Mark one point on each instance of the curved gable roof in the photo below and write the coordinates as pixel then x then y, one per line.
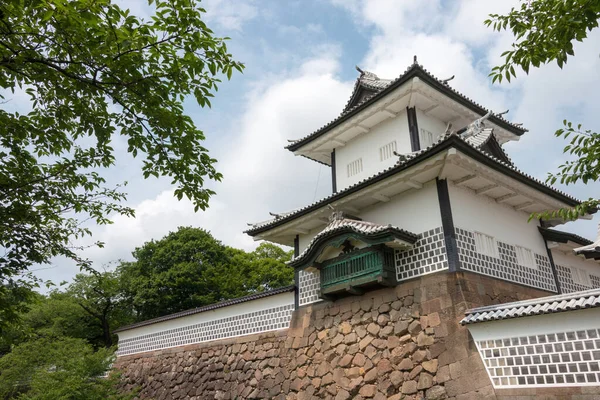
pixel 368 232
pixel 414 70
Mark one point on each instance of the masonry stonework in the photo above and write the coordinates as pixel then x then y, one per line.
pixel 396 343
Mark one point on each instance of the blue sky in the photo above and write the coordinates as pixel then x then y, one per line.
pixel 300 58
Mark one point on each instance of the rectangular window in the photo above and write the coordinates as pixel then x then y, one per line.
pixel 581 277
pixel 355 167
pixel 486 244
pixel 426 138
pixel 387 151
pixel 525 257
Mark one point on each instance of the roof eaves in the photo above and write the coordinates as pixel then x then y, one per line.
pixel 555 235
pixel 412 71
pixel 544 305
pixel 209 307
pixel 326 233
pixel 451 140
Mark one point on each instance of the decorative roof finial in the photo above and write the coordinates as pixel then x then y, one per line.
pixel 359 70
pixel 335 214
pixel 502 113
pixel 415 59
pixel 449 130
pixel 476 126
pixel 445 81
pixel 277 216
pixel 401 157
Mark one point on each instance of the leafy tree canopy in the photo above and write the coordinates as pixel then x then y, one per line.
pixel 190 268
pixel 545 31
pixel 65 368
pixel 91 71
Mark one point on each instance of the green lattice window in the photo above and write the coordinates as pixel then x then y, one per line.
pixel 360 269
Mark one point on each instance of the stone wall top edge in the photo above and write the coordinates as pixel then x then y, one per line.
pixel 255 337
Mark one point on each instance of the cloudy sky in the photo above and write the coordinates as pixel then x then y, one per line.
pixel 300 57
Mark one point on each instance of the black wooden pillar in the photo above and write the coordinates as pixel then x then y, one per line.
pixel 448 225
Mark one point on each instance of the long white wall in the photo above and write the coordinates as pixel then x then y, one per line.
pixel 504 223
pixel 550 350
pixel 260 315
pixel 219 313
pixel 367 147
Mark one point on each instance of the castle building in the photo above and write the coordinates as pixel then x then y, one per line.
pixel 422 265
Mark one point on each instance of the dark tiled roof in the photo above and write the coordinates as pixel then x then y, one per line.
pixel 414 70
pixel 543 305
pixel 554 235
pixel 210 307
pixel 591 250
pixel 361 227
pixel 445 142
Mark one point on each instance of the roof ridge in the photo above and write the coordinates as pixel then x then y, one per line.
pixel 413 67
pixel 538 306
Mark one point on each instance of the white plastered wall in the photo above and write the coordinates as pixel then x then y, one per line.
pixel 366 146
pixel 571 260
pixel 481 214
pixel 416 210
pixel 430 124
pixel 224 312
pixel 550 350
pixel 536 325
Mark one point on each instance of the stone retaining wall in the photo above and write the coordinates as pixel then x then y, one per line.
pixel 397 343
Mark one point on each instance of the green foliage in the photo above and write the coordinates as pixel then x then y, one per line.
pixel 99 296
pixel 14 300
pixel 190 268
pixel 584 145
pixel 544 31
pixel 51 369
pixel 93 71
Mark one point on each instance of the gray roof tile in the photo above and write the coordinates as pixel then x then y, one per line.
pixel 539 306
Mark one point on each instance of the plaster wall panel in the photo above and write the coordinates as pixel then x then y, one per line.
pixel 416 210
pixel 366 148
pixel 504 223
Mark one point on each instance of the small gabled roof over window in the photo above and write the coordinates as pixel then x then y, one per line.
pixel 341 229
pixel 367 85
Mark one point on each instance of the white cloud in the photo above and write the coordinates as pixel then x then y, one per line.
pixel 230 15
pixel 259 175
pixel 449 39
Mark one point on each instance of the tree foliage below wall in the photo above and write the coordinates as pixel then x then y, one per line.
pixel 61 342
pixel 546 31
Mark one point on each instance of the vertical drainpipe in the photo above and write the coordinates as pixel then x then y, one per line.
pixel 296 273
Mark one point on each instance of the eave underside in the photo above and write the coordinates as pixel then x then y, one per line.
pixel 458 168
